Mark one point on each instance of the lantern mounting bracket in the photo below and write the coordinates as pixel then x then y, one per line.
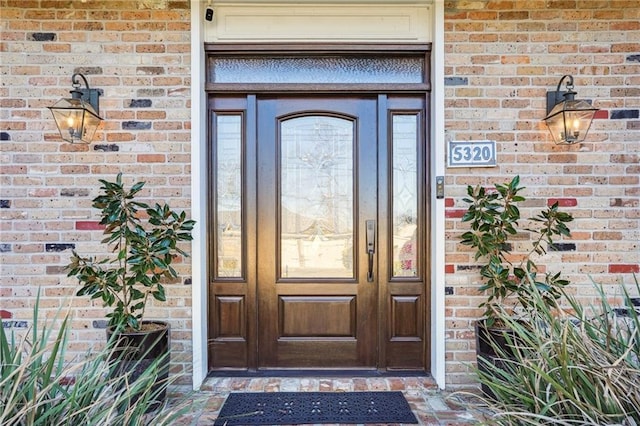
pixel 556 96
pixel 87 94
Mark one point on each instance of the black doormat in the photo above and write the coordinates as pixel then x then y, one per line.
pixel 287 408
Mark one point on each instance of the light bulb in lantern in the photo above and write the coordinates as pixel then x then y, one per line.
pixel 576 128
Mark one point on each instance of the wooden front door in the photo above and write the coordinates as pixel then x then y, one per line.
pixel 319 232
pixel 317 191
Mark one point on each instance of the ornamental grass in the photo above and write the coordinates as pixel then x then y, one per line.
pixel 568 365
pixel 40 386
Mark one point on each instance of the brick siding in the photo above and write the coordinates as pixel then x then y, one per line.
pixel 500 59
pixel 138 54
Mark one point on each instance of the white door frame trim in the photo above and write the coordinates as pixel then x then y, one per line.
pixel 199 253
pixel 438 160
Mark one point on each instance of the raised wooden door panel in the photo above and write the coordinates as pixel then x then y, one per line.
pixel 229 346
pixel 317 176
pixel 298 317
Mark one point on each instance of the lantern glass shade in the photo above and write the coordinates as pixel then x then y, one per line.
pixel 76 119
pixel 569 121
pixel 568 118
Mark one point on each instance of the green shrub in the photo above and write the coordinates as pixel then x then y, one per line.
pixel 579 366
pixel 39 387
pixel 142 253
pixel 494 218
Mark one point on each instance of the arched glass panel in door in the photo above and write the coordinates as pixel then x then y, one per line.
pixel 316 197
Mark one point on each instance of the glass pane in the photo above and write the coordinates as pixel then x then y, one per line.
pixel 316 210
pixel 321 69
pixel 229 195
pixel 405 195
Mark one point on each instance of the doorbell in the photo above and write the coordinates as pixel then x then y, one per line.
pixel 208 15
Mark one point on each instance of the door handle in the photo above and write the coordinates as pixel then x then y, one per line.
pixel 371 246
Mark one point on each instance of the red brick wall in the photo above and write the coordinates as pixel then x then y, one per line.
pixel 138 53
pixel 500 59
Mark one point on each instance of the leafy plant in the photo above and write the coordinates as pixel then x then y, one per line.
pixel 494 217
pixel 143 252
pixel 579 366
pixel 38 386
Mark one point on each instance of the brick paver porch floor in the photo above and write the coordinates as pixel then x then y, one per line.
pixel 430 405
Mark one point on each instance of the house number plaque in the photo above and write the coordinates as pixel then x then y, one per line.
pixel 471 154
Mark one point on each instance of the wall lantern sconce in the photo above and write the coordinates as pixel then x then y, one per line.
pixel 77 118
pixel 568 119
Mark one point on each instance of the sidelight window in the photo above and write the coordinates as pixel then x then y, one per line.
pixel 405 194
pixel 228 199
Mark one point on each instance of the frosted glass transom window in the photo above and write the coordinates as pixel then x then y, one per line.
pixel 320 69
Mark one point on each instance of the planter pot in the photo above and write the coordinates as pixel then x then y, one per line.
pixel 493 350
pixel 136 351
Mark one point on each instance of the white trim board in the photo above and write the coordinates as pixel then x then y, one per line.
pixel 313 22
pixel 437 155
pixel 198 198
